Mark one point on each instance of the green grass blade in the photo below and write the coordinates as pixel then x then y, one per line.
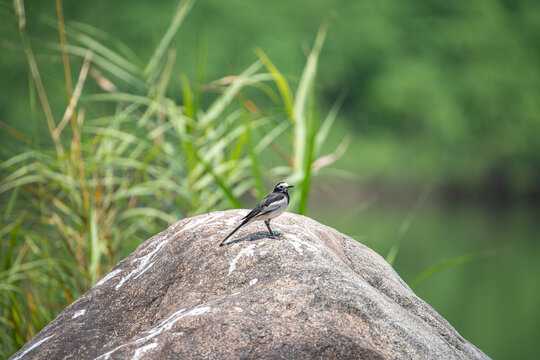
pixel 96 46
pixel 324 130
pixel 94 246
pixel 405 225
pixel 255 160
pixel 219 105
pixel 201 69
pixel 306 182
pixel 11 203
pixel 301 99
pixel 446 264
pixel 104 51
pixel 187 96
pixel 226 190
pixel 105 37
pixel 113 69
pixel 271 135
pixel 281 82
pixel 151 70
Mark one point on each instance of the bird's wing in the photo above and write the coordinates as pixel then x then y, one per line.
pixel 269 203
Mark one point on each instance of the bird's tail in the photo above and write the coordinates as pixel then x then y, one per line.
pixel 232 233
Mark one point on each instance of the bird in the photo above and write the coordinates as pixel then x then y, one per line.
pixel 273 205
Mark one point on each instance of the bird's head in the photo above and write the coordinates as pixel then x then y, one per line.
pixel 282 187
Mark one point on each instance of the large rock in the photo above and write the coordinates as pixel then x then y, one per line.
pixel 312 293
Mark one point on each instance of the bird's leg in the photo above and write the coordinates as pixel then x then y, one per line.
pixel 267 222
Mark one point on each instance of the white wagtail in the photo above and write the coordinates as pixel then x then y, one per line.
pixel 271 206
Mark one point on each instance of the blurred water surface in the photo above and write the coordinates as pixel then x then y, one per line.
pixel 492 299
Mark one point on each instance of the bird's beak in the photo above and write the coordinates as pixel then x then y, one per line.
pixel 290 186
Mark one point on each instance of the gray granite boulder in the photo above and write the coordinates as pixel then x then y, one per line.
pixel 312 293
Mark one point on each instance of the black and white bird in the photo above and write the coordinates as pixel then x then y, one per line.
pixel 270 207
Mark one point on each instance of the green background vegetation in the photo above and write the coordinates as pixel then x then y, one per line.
pixel 437 123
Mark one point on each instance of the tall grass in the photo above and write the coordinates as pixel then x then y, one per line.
pixel 77 205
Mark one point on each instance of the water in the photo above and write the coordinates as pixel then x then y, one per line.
pixel 492 300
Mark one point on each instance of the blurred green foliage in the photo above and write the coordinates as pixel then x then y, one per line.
pixel 438 92
pixel 452 87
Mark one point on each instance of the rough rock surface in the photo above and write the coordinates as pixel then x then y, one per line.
pixel 313 293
